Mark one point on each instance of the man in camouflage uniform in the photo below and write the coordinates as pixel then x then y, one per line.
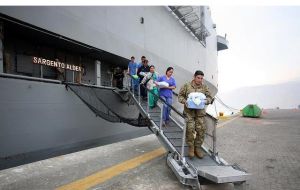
pixel 195 118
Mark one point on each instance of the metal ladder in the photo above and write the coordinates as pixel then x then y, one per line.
pixel 172 137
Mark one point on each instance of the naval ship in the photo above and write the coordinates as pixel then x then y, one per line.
pixel 57 93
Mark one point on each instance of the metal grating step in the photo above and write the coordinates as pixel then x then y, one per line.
pixel 173 135
pixel 155 114
pixel 205 161
pixel 222 174
pixel 178 148
pixel 177 142
pixel 169 129
pixel 157 122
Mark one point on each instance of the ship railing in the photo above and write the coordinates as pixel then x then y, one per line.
pixel 178 118
pixel 14 76
pixel 188 17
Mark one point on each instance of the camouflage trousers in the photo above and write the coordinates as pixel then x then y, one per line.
pixel 195 125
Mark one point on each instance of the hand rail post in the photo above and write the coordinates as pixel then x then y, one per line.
pixel 139 93
pixel 215 140
pixel 183 141
pixel 132 86
pixel 161 116
pixel 147 100
pixel 215 133
pixel 127 82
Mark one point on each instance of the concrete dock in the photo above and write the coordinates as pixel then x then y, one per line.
pixel 267 147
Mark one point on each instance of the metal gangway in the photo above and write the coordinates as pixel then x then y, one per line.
pixel 188 171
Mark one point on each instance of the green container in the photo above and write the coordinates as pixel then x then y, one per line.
pixel 251 110
pixel 135 76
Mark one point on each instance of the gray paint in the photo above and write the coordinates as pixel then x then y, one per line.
pixel 37 116
pixel 118 30
pixel 1 56
pixel 1 47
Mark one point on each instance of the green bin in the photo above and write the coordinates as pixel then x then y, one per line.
pixel 251 110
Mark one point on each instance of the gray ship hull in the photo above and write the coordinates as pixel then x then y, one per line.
pixel 41 120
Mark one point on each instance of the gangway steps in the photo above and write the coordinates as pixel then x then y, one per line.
pixel 173 135
pixel 176 142
pixel 172 129
pixel 206 167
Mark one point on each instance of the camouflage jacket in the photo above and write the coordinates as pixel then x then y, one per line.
pixel 184 93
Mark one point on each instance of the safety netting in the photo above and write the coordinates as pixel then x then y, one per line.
pixel 110 104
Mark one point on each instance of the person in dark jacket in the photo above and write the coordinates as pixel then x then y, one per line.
pixel 118 76
pixel 142 72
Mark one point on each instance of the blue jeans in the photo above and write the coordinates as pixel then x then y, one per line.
pixel 134 85
pixel 166 109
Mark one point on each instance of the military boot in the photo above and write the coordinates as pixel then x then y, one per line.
pixel 191 151
pixel 199 153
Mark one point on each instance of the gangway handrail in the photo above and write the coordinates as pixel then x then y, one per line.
pixel 183 127
pixel 174 109
pixel 88 85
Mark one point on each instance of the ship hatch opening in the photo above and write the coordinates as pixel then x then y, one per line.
pixel 22 42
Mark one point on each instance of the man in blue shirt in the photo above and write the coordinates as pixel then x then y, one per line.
pixel 132 70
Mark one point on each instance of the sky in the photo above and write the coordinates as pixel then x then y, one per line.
pixel 264 45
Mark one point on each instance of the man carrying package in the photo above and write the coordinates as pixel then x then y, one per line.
pixel 194 112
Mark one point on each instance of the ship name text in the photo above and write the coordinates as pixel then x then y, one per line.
pixel 58 64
